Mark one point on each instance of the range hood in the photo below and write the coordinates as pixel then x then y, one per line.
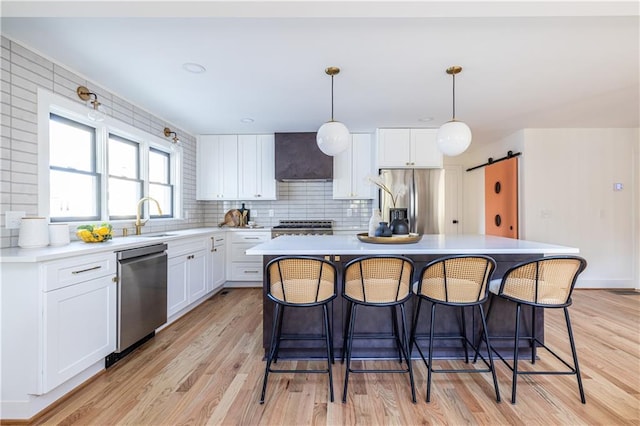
pixel 299 158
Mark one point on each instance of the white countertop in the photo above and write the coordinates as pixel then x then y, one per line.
pixel 428 244
pixel 76 248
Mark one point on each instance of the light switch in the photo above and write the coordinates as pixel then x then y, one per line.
pixel 618 186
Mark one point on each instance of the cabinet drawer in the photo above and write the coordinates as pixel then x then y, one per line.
pixel 238 254
pixel 246 271
pixel 187 246
pixel 218 240
pixel 250 237
pixel 63 273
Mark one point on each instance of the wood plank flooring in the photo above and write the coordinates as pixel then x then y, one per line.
pixel 207 368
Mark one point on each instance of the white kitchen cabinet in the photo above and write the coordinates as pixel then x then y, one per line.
pixel 217 167
pixel 352 167
pixel 256 167
pixel 62 317
pixel 414 148
pixel 79 328
pixel 187 272
pixel 235 167
pixel 240 266
pixel 216 268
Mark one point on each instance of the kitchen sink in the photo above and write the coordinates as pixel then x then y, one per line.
pixel 157 235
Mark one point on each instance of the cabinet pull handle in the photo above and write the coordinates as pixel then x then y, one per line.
pixel 251 238
pixel 86 270
pixel 252 272
pixel 213 244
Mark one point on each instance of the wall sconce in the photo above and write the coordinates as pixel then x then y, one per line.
pixel 174 137
pixel 96 112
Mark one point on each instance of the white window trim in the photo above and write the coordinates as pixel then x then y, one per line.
pixel 49 102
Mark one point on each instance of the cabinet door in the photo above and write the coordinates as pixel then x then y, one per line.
pixel 177 276
pixel 342 173
pixel 207 179
pixel 394 148
pixel 79 328
pixel 424 148
pixel 362 167
pixel 217 167
pixel 196 275
pixel 216 271
pixel 351 169
pixel 256 165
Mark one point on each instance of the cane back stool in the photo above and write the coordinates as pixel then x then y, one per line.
pixel 299 282
pixel 381 282
pixel 455 281
pixel 541 283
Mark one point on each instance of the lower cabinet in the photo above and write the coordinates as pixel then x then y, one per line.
pixel 79 328
pixel 187 273
pixel 240 266
pixel 216 268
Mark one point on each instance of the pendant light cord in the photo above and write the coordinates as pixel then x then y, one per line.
pixel 454 97
pixel 332 98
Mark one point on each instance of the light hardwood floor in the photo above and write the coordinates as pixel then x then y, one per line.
pixel 207 368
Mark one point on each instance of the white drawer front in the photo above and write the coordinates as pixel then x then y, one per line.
pixel 246 271
pixel 180 247
pixel 63 273
pixel 250 237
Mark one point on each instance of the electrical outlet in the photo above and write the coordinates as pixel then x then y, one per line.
pixel 254 214
pixel 270 212
pixel 12 220
pixel 349 212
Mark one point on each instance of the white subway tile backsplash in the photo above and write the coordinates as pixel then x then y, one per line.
pixel 24 115
pixel 22 125
pixel 28 85
pixel 22 137
pixel 32 67
pixel 25 177
pixel 18 71
pixel 21 93
pixel 17 49
pixel 24 157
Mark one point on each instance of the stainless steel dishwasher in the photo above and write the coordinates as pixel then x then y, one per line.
pixel 142 297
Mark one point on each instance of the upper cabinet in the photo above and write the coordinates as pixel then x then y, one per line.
pixel 351 169
pixel 402 148
pixel 256 166
pixel 235 167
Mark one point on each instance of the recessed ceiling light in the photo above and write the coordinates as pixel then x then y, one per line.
pixel 246 120
pixel 425 119
pixel 193 68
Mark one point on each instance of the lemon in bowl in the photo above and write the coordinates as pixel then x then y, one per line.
pixel 95 233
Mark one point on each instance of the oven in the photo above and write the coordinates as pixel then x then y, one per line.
pixel 302 227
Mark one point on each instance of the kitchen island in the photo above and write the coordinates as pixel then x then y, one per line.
pixel 343 248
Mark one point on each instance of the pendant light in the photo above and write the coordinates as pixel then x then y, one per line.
pixel 333 136
pixel 454 136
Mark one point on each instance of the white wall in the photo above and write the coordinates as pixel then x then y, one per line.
pixel 566 196
pixel 568 181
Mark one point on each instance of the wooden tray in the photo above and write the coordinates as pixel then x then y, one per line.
pixel 411 238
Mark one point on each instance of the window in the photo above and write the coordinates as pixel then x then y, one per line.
pixel 97 171
pixel 125 185
pixel 74 181
pixel 160 187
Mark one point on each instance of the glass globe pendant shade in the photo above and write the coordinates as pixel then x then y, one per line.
pixel 333 138
pixel 453 138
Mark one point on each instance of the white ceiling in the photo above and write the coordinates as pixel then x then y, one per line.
pixel 526 64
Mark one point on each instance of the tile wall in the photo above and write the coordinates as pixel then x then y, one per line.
pixel 22 71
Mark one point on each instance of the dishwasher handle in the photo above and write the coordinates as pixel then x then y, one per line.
pixel 141 251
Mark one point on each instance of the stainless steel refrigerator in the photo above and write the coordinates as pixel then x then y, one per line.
pixel 423 199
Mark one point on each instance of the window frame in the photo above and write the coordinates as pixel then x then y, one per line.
pixel 50 103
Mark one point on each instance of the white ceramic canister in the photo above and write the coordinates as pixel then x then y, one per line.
pixel 59 234
pixel 34 232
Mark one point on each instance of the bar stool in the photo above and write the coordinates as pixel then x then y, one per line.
pixel 299 282
pixel 457 281
pixel 544 283
pixel 378 281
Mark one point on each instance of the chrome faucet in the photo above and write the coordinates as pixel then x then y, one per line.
pixel 139 224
